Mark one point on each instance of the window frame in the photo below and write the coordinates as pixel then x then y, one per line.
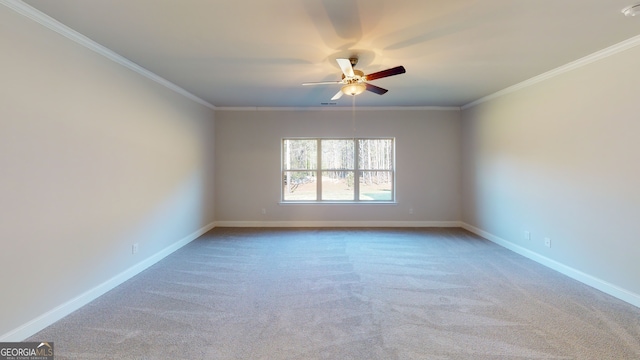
pixel 357 169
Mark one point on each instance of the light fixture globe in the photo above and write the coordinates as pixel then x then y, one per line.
pixel 632 10
pixel 354 89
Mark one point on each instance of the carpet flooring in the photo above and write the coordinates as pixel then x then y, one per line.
pixel 435 293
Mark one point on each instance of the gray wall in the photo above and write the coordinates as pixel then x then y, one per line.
pixel 248 166
pixel 561 159
pixel 94 158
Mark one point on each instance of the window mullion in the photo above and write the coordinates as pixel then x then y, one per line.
pixel 286 176
pixel 356 172
pixel 319 170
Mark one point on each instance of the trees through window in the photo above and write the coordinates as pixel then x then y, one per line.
pixel 351 170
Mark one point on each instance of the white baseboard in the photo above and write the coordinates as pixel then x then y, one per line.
pixel 604 286
pixel 50 317
pixel 335 224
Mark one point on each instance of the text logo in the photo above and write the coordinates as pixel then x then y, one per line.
pixel 26 350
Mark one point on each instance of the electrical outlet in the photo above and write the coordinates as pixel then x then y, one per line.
pixel 547 242
pixel 264 211
pixel 411 211
pixel 527 235
pixel 134 248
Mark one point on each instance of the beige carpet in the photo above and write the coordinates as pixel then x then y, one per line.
pixel 348 294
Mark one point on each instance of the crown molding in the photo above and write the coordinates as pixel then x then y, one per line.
pixel 596 56
pixel 49 22
pixel 339 108
pixel 45 20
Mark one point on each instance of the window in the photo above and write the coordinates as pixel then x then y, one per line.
pixel 335 170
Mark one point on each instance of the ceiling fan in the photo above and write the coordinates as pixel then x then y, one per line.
pixel 355 82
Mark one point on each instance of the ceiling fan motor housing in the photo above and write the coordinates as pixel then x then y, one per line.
pixel 358 76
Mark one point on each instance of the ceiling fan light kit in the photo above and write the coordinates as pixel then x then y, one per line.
pixel 354 89
pixel 354 82
pixel 632 10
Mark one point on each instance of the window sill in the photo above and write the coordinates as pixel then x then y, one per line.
pixel 338 202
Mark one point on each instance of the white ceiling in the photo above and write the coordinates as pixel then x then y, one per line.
pixel 258 53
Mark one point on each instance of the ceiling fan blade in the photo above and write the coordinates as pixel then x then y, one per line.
pixel 376 89
pixel 322 83
pixel 337 96
pixel 345 65
pixel 384 73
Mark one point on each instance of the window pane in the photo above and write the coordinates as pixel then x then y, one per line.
pixel 337 154
pixel 335 162
pixel 337 185
pixel 375 154
pixel 376 185
pixel 299 185
pixel 299 154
